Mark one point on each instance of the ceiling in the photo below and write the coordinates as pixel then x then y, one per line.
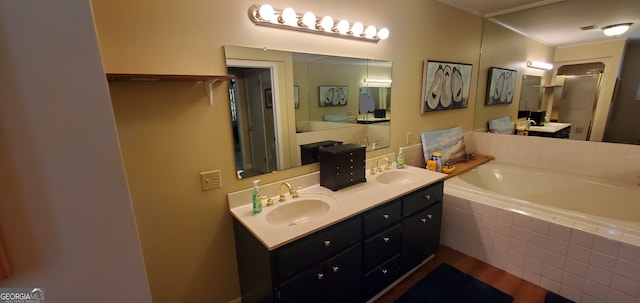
pixel 557 22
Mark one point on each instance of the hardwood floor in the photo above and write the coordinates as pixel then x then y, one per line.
pixel 521 290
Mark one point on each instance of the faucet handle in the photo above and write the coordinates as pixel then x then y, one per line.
pixel 294 192
pixel 269 199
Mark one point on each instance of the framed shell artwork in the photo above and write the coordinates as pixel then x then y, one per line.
pixel 445 85
pixel 333 95
pixel 501 86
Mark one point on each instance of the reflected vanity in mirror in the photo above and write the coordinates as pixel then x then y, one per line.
pixel 285 103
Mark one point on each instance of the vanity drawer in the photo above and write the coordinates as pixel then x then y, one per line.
pixel 381 277
pixel 422 198
pixel 382 217
pixel 382 246
pixel 316 247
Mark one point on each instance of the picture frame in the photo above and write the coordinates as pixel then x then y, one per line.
pixel 333 95
pixel 296 96
pixel 501 86
pixel 445 85
pixel 268 98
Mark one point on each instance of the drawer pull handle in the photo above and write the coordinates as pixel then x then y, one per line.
pixel 424 220
pixel 385 216
pixel 429 216
pixel 320 276
pixel 427 196
pixel 327 243
pixel 386 239
pixel 384 271
pixel 336 268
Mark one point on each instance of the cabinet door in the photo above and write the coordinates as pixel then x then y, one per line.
pixel 309 286
pixel 344 274
pixel 420 236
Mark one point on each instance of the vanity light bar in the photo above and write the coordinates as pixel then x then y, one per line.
pixel 539 65
pixel 377 80
pixel 287 18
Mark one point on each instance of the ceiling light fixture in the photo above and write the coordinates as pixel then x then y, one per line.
pixel 539 65
pixel 266 15
pixel 616 29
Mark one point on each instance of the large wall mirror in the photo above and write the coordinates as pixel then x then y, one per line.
pixel 569 94
pixel 286 105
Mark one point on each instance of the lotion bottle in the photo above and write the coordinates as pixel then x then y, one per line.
pixel 255 198
pixel 400 159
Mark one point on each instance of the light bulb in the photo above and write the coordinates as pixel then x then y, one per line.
pixel 370 32
pixel 266 12
pixel 289 16
pixel 357 29
pixel 343 26
pixel 309 20
pixel 383 33
pixel 326 23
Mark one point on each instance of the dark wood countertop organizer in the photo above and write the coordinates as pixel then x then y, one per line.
pixel 342 166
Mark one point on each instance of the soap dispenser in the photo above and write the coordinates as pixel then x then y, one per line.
pixel 400 159
pixel 255 198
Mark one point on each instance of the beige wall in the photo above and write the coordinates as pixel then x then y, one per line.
pixel 609 53
pixel 169 133
pixel 506 49
pixel 65 213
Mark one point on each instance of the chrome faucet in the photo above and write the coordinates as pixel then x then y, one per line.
pixel 377 167
pixel 292 192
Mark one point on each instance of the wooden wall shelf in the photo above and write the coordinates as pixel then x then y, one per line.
pixel 208 80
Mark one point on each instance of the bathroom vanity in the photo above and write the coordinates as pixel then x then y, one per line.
pixel 366 238
pixel 551 129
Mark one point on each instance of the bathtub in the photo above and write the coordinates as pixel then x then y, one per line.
pixel 598 205
pixel 574 235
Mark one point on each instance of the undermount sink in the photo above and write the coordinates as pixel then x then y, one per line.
pixel 397 177
pixel 296 211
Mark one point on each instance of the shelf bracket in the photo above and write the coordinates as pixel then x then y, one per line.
pixel 208 87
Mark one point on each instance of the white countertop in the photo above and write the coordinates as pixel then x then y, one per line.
pixel 346 203
pixel 549 127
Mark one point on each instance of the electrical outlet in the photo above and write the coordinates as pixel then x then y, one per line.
pixel 210 180
pixel 409 137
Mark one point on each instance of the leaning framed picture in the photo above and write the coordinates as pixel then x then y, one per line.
pixel 268 98
pixel 445 85
pixel 296 96
pixel 333 95
pixel 501 86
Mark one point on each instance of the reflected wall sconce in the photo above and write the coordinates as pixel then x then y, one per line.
pixel 539 65
pixel 287 18
pixel 616 29
pixel 377 80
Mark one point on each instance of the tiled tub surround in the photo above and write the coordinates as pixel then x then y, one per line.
pixel 566 256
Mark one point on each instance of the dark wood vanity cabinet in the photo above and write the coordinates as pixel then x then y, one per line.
pixel 350 261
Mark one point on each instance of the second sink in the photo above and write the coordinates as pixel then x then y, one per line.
pixel 398 177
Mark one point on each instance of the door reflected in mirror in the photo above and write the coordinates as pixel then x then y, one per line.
pixel 277 105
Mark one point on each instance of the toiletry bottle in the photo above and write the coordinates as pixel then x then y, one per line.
pixel 400 159
pixel 431 165
pixel 255 198
pixel 437 156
